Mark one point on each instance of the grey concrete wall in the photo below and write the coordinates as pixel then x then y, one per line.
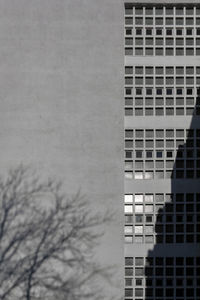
pixel 61 100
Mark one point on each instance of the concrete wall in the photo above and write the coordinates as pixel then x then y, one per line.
pixel 61 100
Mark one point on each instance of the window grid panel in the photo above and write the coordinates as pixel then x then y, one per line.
pixel 163 34
pixel 154 217
pixel 174 92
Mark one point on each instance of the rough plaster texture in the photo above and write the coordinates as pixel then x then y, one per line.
pixel 61 92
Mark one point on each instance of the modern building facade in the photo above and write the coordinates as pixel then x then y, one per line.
pixel 162 150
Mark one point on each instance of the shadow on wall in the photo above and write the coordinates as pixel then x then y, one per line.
pixel 177 227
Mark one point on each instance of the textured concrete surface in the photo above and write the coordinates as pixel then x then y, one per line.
pixel 61 100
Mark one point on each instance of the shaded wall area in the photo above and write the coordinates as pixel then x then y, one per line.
pixel 172 266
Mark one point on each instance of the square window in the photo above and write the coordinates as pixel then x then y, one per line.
pixel 129 271
pixel 128 208
pixel 148 51
pixel 138 11
pixel 149 238
pixel 169 21
pixel 128 292
pixel 138 240
pixel 179 91
pixel 169 11
pixel 149 154
pixel 169 91
pixel 189 11
pixel 169 70
pixel 138 31
pixel 189 51
pixel 148 198
pixel 149 175
pixel 159 41
pixel 169 51
pixel 179 51
pixel 158 31
pixel 159 70
pixel 128 175
pixel 138 198
pixel 189 91
pixel 138 208
pixel 128 219
pixel 128 70
pixel 148 208
pixel 128 261
pixel 169 42
pixel 149 70
pixel 158 91
pixel 128 41
pixel 138 154
pixel 128 281
pixel 189 42
pixel 159 11
pixel 149 11
pixel 128 198
pixel 189 21
pixel 138 91
pixel 128 154
pixel 138 20
pixel 149 21
pixel 138 282
pixel 128 51
pixel 149 80
pixel 179 41
pixel 169 31
pixel 139 41
pixel 179 21
pixel 148 91
pixel 159 111
pixel 128 11
pixel 159 80
pixel 138 229
pixel 189 31
pixel 159 51
pixel 138 70
pixel 128 31
pixel 128 144
pixel 179 31
pixel 149 133
pixel 159 154
pixel 138 51
pixel 138 218
pixel 149 218
pixel 149 41
pixel 128 111
pixel 129 21
pixel 128 91
pixel 128 229
pixel 179 11
pixel 128 133
pixel 148 31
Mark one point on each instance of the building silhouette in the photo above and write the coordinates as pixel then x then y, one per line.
pixel 162 150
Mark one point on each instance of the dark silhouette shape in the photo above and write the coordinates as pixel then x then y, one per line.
pixel 176 254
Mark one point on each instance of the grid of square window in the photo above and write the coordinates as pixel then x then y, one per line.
pixel 158 31
pixel 162 218
pixel 162 278
pixel 162 90
pixel 159 153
